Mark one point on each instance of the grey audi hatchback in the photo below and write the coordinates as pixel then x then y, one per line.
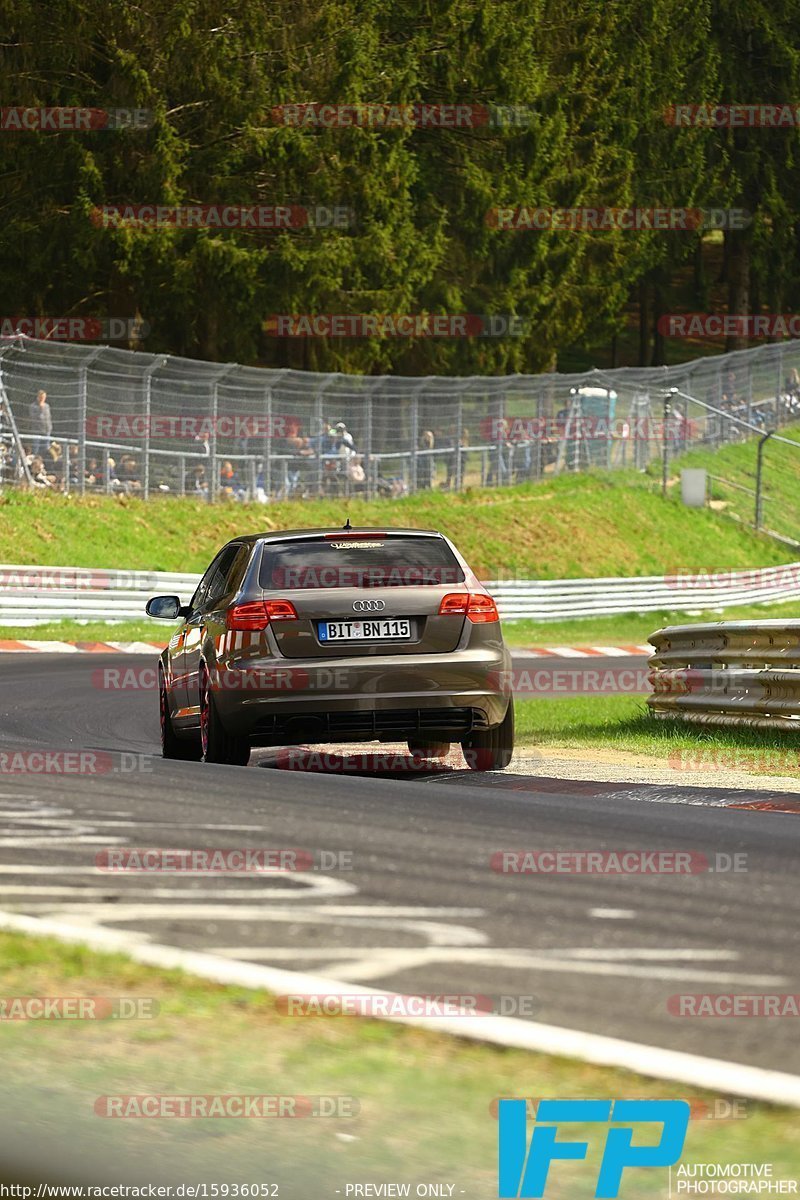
pixel 336 635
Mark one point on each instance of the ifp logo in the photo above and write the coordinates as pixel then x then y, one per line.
pixel 523 1172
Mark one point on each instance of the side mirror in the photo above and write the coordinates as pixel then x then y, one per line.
pixel 165 608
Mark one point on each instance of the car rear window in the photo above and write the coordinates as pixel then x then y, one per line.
pixel 359 562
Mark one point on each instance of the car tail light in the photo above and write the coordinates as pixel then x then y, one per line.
pixel 257 614
pixel 280 610
pixel 454 602
pixel 252 615
pixel 478 607
pixel 482 608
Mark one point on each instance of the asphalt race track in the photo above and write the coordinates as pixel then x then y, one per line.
pixel 419 907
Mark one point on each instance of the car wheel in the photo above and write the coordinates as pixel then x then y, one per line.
pixel 491 749
pixel 173 746
pixel 218 745
pixel 427 749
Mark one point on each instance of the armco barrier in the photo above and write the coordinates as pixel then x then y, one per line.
pixel 31 595
pixel 731 673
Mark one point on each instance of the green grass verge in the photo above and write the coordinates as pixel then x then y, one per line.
pixel 736 465
pixel 572 526
pixel 623 723
pixel 94 631
pixel 425 1099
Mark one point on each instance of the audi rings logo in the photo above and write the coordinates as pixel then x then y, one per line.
pixel 369 605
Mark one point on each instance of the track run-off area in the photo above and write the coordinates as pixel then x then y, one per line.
pixel 410 880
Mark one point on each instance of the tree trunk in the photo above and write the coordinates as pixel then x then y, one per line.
pixel 644 324
pixel 738 282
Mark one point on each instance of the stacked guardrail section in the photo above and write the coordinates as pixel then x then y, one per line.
pixel 733 673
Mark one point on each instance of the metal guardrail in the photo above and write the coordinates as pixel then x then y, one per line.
pixel 733 673
pixel 31 595
pixel 557 599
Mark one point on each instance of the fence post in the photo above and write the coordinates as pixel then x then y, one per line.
pixel 213 483
pixel 270 433
pixel 414 440
pixel 665 438
pixel 213 478
pixel 83 404
pixel 368 447
pixel 458 437
pixel 148 406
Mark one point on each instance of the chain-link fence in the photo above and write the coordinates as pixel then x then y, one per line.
pixel 118 421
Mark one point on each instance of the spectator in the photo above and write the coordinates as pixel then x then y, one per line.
pixel 452 456
pixel 74 466
pixel 54 465
pixel 128 474
pixel 324 442
pixel 344 445
pixel 200 486
pixel 94 475
pixel 38 473
pixel 426 465
pixel 230 486
pixel 300 451
pixel 41 421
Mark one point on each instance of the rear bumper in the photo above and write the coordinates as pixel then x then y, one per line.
pixel 278 701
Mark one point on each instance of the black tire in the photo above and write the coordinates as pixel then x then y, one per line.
pixel 218 746
pixel 422 748
pixel 491 749
pixel 172 746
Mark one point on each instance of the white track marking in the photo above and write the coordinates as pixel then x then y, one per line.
pixel 375 962
pixel 613 914
pixel 436 933
pixel 51 647
pixel 565 652
pixel 711 1074
pixel 43 840
pixel 221 893
pixel 647 954
pixel 304 885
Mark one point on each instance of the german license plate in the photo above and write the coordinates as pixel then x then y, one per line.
pixel 375 629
